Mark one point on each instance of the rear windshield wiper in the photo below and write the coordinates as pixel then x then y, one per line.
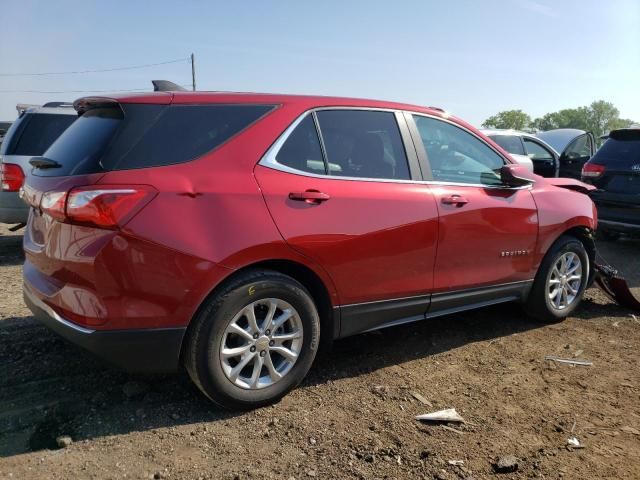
pixel 44 162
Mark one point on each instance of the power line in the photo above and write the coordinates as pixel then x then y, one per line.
pixel 76 72
pixel 86 91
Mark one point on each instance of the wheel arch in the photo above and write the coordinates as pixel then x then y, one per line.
pixel 586 236
pixel 320 292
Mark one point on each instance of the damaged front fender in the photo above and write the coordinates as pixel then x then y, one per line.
pixel 613 284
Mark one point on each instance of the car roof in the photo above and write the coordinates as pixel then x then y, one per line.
pixel 308 101
pixel 516 133
pixel 506 131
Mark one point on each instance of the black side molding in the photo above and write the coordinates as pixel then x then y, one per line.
pixel 364 317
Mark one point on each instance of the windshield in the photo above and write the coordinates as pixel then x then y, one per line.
pixel 621 153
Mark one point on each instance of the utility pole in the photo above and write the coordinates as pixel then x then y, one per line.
pixel 193 72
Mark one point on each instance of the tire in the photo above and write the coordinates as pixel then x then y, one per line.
pixel 539 304
pixel 607 235
pixel 212 331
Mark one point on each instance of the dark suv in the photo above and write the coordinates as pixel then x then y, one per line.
pixel 615 171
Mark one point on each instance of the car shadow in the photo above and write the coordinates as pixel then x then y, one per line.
pixel 11 250
pixel 393 346
pixel 50 388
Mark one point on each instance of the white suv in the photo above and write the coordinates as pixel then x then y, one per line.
pixel 29 136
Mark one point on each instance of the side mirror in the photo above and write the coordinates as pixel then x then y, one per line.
pixel 516 176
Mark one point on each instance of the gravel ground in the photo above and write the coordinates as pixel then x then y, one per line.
pixel 354 415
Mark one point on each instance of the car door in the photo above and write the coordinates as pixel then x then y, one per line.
pixel 350 199
pixel 545 162
pixel 575 155
pixel 487 232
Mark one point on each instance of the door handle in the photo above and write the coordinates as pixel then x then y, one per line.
pixel 457 200
pixel 312 197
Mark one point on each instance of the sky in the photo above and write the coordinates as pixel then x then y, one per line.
pixel 472 58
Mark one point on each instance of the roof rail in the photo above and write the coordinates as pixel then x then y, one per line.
pixel 58 104
pixel 437 109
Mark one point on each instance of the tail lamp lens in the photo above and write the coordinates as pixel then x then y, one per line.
pixel 11 177
pixel 105 207
pixel 53 204
pixel 592 170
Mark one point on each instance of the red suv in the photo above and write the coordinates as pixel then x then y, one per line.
pixel 231 232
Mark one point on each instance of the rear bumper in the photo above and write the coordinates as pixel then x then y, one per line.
pixel 12 208
pixel 152 350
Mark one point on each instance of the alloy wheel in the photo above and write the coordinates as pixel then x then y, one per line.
pixel 261 343
pixel 565 280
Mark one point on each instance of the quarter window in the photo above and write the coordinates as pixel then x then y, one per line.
pixel 363 144
pixel 457 156
pixel 302 149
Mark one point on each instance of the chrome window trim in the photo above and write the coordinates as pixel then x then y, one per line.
pixel 269 158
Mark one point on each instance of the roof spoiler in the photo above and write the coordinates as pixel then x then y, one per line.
pixel 23 107
pixel 625 134
pixel 87 103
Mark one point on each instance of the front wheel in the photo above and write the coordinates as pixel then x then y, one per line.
pixel 253 341
pixel 560 282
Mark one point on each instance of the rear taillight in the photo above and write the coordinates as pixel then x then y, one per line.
pixel 53 204
pixel 105 206
pixel 592 170
pixel 11 177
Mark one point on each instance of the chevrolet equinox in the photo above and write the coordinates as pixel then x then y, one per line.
pixel 230 232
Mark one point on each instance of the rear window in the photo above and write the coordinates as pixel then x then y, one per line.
pixel 623 152
pixel 510 143
pixel 33 133
pixel 138 136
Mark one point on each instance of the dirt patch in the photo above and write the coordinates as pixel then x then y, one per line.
pixel 354 415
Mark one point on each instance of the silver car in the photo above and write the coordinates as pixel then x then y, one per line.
pixel 576 147
pixel 525 147
pixel 29 136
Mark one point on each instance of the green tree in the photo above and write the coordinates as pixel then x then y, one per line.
pixel 566 118
pixel 599 118
pixel 604 117
pixel 515 119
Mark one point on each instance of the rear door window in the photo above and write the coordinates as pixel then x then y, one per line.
pixel 36 132
pixel 579 148
pixel 130 136
pixel 535 151
pixel 363 144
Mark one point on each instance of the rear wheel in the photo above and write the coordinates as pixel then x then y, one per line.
pixel 560 282
pixel 253 341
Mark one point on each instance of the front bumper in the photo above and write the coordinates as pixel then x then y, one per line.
pixel 12 208
pixel 150 350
